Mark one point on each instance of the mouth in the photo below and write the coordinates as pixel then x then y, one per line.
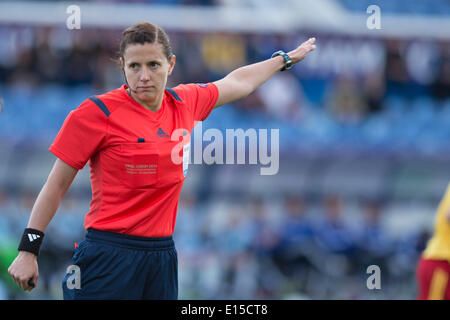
pixel 145 87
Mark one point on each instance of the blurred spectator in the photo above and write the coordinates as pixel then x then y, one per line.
pixel 441 85
pixel 374 92
pixel 241 276
pixel 79 66
pixel 283 97
pixel 346 101
pixel 23 74
pixel 332 233
pixel 375 246
pixel 266 237
pixel 223 53
pixel 252 103
pixel 396 74
pixel 297 237
pixel 107 73
pixel 47 66
pixel 421 59
pixel 297 226
pixel 237 234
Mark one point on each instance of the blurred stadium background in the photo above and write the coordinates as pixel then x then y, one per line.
pixel 364 140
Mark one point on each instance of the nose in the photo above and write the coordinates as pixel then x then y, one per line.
pixel 145 74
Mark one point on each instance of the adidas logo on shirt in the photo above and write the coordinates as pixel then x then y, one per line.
pixel 162 134
pixel 33 236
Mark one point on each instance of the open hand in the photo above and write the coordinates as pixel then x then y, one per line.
pixel 302 50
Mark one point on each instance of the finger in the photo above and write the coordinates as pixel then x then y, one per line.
pixel 11 273
pixel 31 283
pixel 16 280
pixel 21 284
pixel 308 44
pixel 24 284
pixel 34 281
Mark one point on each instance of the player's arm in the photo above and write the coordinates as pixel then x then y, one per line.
pixel 58 182
pixel 241 82
pixel 48 200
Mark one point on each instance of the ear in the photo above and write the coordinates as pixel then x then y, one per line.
pixel 172 64
pixel 122 63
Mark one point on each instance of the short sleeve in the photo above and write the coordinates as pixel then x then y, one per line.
pixel 81 135
pixel 200 98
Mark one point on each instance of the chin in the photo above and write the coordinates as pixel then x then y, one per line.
pixel 146 96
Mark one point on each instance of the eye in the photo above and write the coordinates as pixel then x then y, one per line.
pixel 154 64
pixel 133 66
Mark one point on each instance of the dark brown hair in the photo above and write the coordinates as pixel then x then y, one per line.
pixel 145 32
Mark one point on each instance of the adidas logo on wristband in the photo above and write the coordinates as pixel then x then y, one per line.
pixel 31 240
pixel 33 236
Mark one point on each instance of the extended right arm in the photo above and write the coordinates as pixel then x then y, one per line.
pixel 58 182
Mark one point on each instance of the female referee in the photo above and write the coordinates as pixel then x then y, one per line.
pixel 126 136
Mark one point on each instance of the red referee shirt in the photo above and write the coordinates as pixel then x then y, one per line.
pixel 135 184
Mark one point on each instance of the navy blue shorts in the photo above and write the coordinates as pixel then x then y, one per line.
pixel 109 265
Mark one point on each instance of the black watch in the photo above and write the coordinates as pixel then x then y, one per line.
pixel 287 60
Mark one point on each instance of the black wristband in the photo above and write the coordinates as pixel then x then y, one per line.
pixel 31 241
